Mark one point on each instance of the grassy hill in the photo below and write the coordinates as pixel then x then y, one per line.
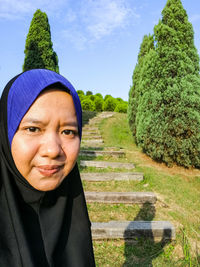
pixel 178 191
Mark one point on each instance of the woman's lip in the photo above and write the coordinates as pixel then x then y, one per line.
pixel 49 170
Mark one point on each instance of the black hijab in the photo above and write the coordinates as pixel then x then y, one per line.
pixel 40 229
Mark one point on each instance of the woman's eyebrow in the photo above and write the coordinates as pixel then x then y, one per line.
pixel 36 121
pixel 32 120
pixel 70 123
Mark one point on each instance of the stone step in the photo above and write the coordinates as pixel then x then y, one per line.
pixel 108 176
pixel 93 141
pixel 96 153
pixel 90 128
pixel 121 197
pixel 105 115
pixel 90 133
pixel 91 137
pixel 106 164
pixel 92 146
pixel 131 230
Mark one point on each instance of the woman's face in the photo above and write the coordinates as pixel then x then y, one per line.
pixel 46 145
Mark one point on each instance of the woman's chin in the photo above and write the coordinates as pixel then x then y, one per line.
pixel 47 185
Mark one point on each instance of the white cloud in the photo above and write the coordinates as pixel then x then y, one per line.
pixel 83 21
pixel 104 16
pixel 16 9
pixel 92 20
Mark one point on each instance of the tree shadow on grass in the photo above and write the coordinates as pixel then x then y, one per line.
pixel 87 115
pixel 141 248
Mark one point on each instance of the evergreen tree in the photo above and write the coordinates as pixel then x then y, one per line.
pixel 134 93
pixel 39 48
pixel 89 93
pixel 168 114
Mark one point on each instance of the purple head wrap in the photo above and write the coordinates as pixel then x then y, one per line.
pixel 26 88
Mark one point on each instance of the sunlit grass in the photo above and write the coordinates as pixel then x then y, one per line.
pixel 178 201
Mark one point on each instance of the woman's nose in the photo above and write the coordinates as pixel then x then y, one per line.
pixel 51 146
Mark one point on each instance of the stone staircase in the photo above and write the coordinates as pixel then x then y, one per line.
pixel 92 146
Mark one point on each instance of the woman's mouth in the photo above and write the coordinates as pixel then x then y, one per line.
pixel 49 170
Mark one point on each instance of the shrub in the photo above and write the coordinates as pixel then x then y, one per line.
pixel 106 96
pixel 89 93
pixel 109 104
pixel 80 92
pixel 99 95
pixel 119 99
pixel 81 95
pixel 88 104
pixel 98 103
pixel 121 107
pixel 91 97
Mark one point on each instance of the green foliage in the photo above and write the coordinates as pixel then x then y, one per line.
pixel 81 95
pixel 100 95
pixel 121 107
pixel 119 99
pixel 89 93
pixel 135 92
pixel 80 92
pixel 88 104
pixel 106 96
pixel 39 48
pixel 98 103
pixel 167 119
pixel 110 104
pixel 91 97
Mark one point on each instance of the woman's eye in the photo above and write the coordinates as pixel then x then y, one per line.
pixel 33 129
pixel 68 132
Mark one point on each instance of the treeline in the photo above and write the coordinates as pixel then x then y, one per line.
pixel 99 103
pixel 164 100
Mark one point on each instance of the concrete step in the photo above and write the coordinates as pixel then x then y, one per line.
pixel 91 144
pixel 105 115
pixel 90 128
pixel 106 164
pixel 90 133
pixel 91 137
pixel 108 176
pixel 121 197
pixel 131 230
pixel 93 141
pixel 96 153
pixel 99 117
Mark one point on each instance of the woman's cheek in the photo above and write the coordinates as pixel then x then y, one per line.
pixel 72 149
pixel 28 149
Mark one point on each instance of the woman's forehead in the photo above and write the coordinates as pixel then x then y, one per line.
pixel 52 104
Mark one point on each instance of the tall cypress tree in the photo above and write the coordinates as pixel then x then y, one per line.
pixel 168 114
pixel 39 48
pixel 134 93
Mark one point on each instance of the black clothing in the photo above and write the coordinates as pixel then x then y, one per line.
pixel 40 229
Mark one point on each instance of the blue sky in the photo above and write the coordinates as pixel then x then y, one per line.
pixel 97 41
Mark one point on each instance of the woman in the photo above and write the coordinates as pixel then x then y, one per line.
pixel 43 215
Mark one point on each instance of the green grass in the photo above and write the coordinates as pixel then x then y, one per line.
pixel 178 192
pixel 124 212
